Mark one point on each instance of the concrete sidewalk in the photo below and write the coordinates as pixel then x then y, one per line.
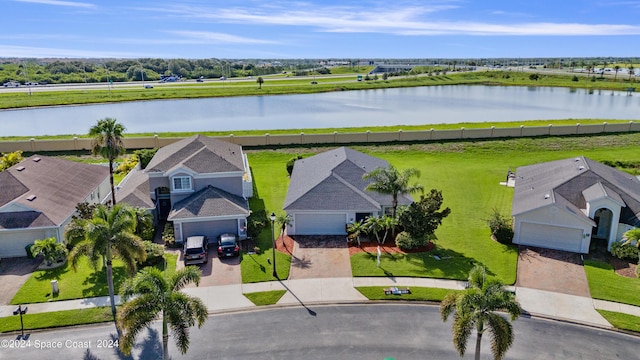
pixel 571 308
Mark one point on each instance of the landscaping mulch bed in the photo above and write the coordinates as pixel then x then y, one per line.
pixel 623 267
pixel 389 248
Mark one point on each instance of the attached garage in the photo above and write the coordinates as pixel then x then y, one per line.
pixel 13 243
pixel 320 224
pixel 551 236
pixel 211 229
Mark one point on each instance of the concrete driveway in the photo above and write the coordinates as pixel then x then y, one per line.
pixel 13 274
pixel 320 257
pixel 552 270
pixel 216 272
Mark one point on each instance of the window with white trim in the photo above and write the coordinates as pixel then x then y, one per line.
pixel 182 183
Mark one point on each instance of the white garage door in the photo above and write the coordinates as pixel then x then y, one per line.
pixel 320 224
pixel 12 244
pixel 552 237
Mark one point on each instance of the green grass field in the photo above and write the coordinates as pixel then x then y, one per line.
pixel 57 319
pixel 265 297
pixel 622 321
pixel 605 284
pixel 83 283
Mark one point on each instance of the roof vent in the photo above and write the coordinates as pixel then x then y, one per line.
pixel 31 197
pixel 37 159
pixel 20 168
pixel 577 159
pixel 546 196
pixel 580 167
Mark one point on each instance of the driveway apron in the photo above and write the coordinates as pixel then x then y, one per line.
pixel 14 273
pixel 552 270
pixel 216 272
pixel 320 257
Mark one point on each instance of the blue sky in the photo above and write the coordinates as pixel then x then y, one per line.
pixel 266 29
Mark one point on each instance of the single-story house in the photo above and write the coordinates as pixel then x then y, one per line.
pixel 327 192
pixel 567 204
pixel 39 195
pixel 201 184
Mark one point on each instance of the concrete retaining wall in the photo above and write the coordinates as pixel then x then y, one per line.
pixel 75 143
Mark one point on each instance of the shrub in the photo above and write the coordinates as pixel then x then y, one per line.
pixel 256 222
pixel 155 254
pixel 144 156
pixel 405 241
pixel 500 227
pixel 575 78
pixel 534 77
pixel 624 251
pixel 291 162
pixel 129 163
pixel 28 250
pixel 168 235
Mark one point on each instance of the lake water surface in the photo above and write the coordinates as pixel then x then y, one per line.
pixel 399 106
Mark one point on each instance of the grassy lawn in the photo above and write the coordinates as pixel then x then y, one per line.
pixel 417 294
pixel 265 297
pixel 83 283
pixel 605 284
pixel 622 321
pixel 57 319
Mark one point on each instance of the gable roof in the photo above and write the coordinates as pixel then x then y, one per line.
pixel 332 180
pixel 50 186
pixel 198 153
pixel 135 191
pixel 209 202
pixel 575 181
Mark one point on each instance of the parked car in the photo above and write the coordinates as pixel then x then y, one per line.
pixel 195 250
pixel 228 245
pixel 11 84
pixel 148 86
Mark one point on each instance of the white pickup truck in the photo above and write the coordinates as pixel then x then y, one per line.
pixel 11 84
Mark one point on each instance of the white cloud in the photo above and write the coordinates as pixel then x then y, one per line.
pixel 206 37
pixel 391 18
pixel 59 3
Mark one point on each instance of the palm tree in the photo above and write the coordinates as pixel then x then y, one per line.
pixel 390 181
pixel 632 236
pixel 374 224
pixel 107 134
pixel 616 68
pixel 631 68
pixel 111 232
pixel 50 248
pixel 155 293
pixel 260 81
pixel 355 230
pixel 477 308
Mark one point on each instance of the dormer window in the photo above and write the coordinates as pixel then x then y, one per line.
pixel 182 183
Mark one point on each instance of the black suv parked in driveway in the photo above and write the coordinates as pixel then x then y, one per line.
pixel 228 245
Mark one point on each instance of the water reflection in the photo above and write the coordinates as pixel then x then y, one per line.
pixel 403 106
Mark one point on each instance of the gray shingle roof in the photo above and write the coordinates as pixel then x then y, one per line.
pixel 135 191
pixel 24 219
pixel 57 184
pixel 209 202
pixel 332 180
pixel 201 154
pixel 575 180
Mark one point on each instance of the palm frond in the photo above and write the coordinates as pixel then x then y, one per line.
pixel 501 332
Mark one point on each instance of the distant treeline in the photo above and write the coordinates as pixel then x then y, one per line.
pixel 77 71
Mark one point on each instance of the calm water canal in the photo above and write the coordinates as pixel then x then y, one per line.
pixel 402 106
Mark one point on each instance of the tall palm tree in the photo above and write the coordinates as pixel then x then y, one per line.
pixel 477 308
pixel 391 181
pixel 111 232
pixel 616 68
pixel 631 72
pixel 154 294
pixel 108 134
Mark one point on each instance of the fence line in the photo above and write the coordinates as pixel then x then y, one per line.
pixel 75 143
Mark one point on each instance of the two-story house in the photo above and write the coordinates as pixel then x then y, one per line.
pixel 201 184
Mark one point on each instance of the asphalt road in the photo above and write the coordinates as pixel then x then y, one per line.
pixel 401 331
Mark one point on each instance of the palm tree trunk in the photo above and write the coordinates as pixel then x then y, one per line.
pixel 479 340
pixel 113 188
pixel 111 290
pixel 165 338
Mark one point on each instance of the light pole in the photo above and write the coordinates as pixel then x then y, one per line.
pixel 273 241
pixel 21 311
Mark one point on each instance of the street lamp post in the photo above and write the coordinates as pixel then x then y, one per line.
pixel 273 241
pixel 21 311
